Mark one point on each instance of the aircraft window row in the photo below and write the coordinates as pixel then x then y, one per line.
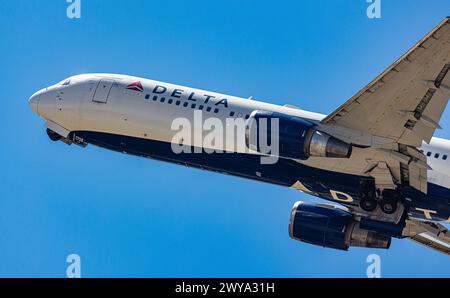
pixel 437 155
pixel 186 104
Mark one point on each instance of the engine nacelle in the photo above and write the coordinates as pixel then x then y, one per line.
pixel 330 226
pixel 297 137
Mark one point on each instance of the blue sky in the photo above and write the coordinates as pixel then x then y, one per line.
pixel 131 217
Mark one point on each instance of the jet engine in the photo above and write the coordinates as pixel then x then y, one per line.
pixel 297 138
pixel 330 226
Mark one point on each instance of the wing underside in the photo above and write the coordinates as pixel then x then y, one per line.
pixel 406 101
pixel 432 235
pixel 402 107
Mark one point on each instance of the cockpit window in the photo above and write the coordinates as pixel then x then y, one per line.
pixel 65 82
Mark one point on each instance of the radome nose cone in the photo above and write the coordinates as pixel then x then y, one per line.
pixel 34 101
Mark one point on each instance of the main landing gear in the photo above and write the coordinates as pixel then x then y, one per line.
pixel 388 201
pixel 368 204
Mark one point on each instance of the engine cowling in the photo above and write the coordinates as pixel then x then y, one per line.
pixel 330 226
pixel 297 137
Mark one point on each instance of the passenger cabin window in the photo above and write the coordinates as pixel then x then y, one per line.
pixel 428 153
pixel 186 104
pixel 444 157
pixel 436 155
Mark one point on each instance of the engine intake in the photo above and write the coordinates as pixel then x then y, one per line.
pixel 330 226
pixel 298 138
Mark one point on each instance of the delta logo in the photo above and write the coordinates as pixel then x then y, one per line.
pixel 136 86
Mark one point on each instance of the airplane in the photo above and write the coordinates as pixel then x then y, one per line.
pixel 374 158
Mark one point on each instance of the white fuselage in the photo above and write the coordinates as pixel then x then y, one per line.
pixel 76 104
pixel 438 158
pixel 133 110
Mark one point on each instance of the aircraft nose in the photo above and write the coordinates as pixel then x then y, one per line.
pixel 34 100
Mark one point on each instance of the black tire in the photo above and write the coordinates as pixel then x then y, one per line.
pixel 368 204
pixel 53 135
pixel 388 206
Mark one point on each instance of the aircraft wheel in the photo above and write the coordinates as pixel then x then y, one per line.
pixel 368 204
pixel 53 135
pixel 388 206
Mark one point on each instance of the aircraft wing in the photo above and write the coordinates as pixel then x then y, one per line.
pixel 406 101
pixel 432 235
